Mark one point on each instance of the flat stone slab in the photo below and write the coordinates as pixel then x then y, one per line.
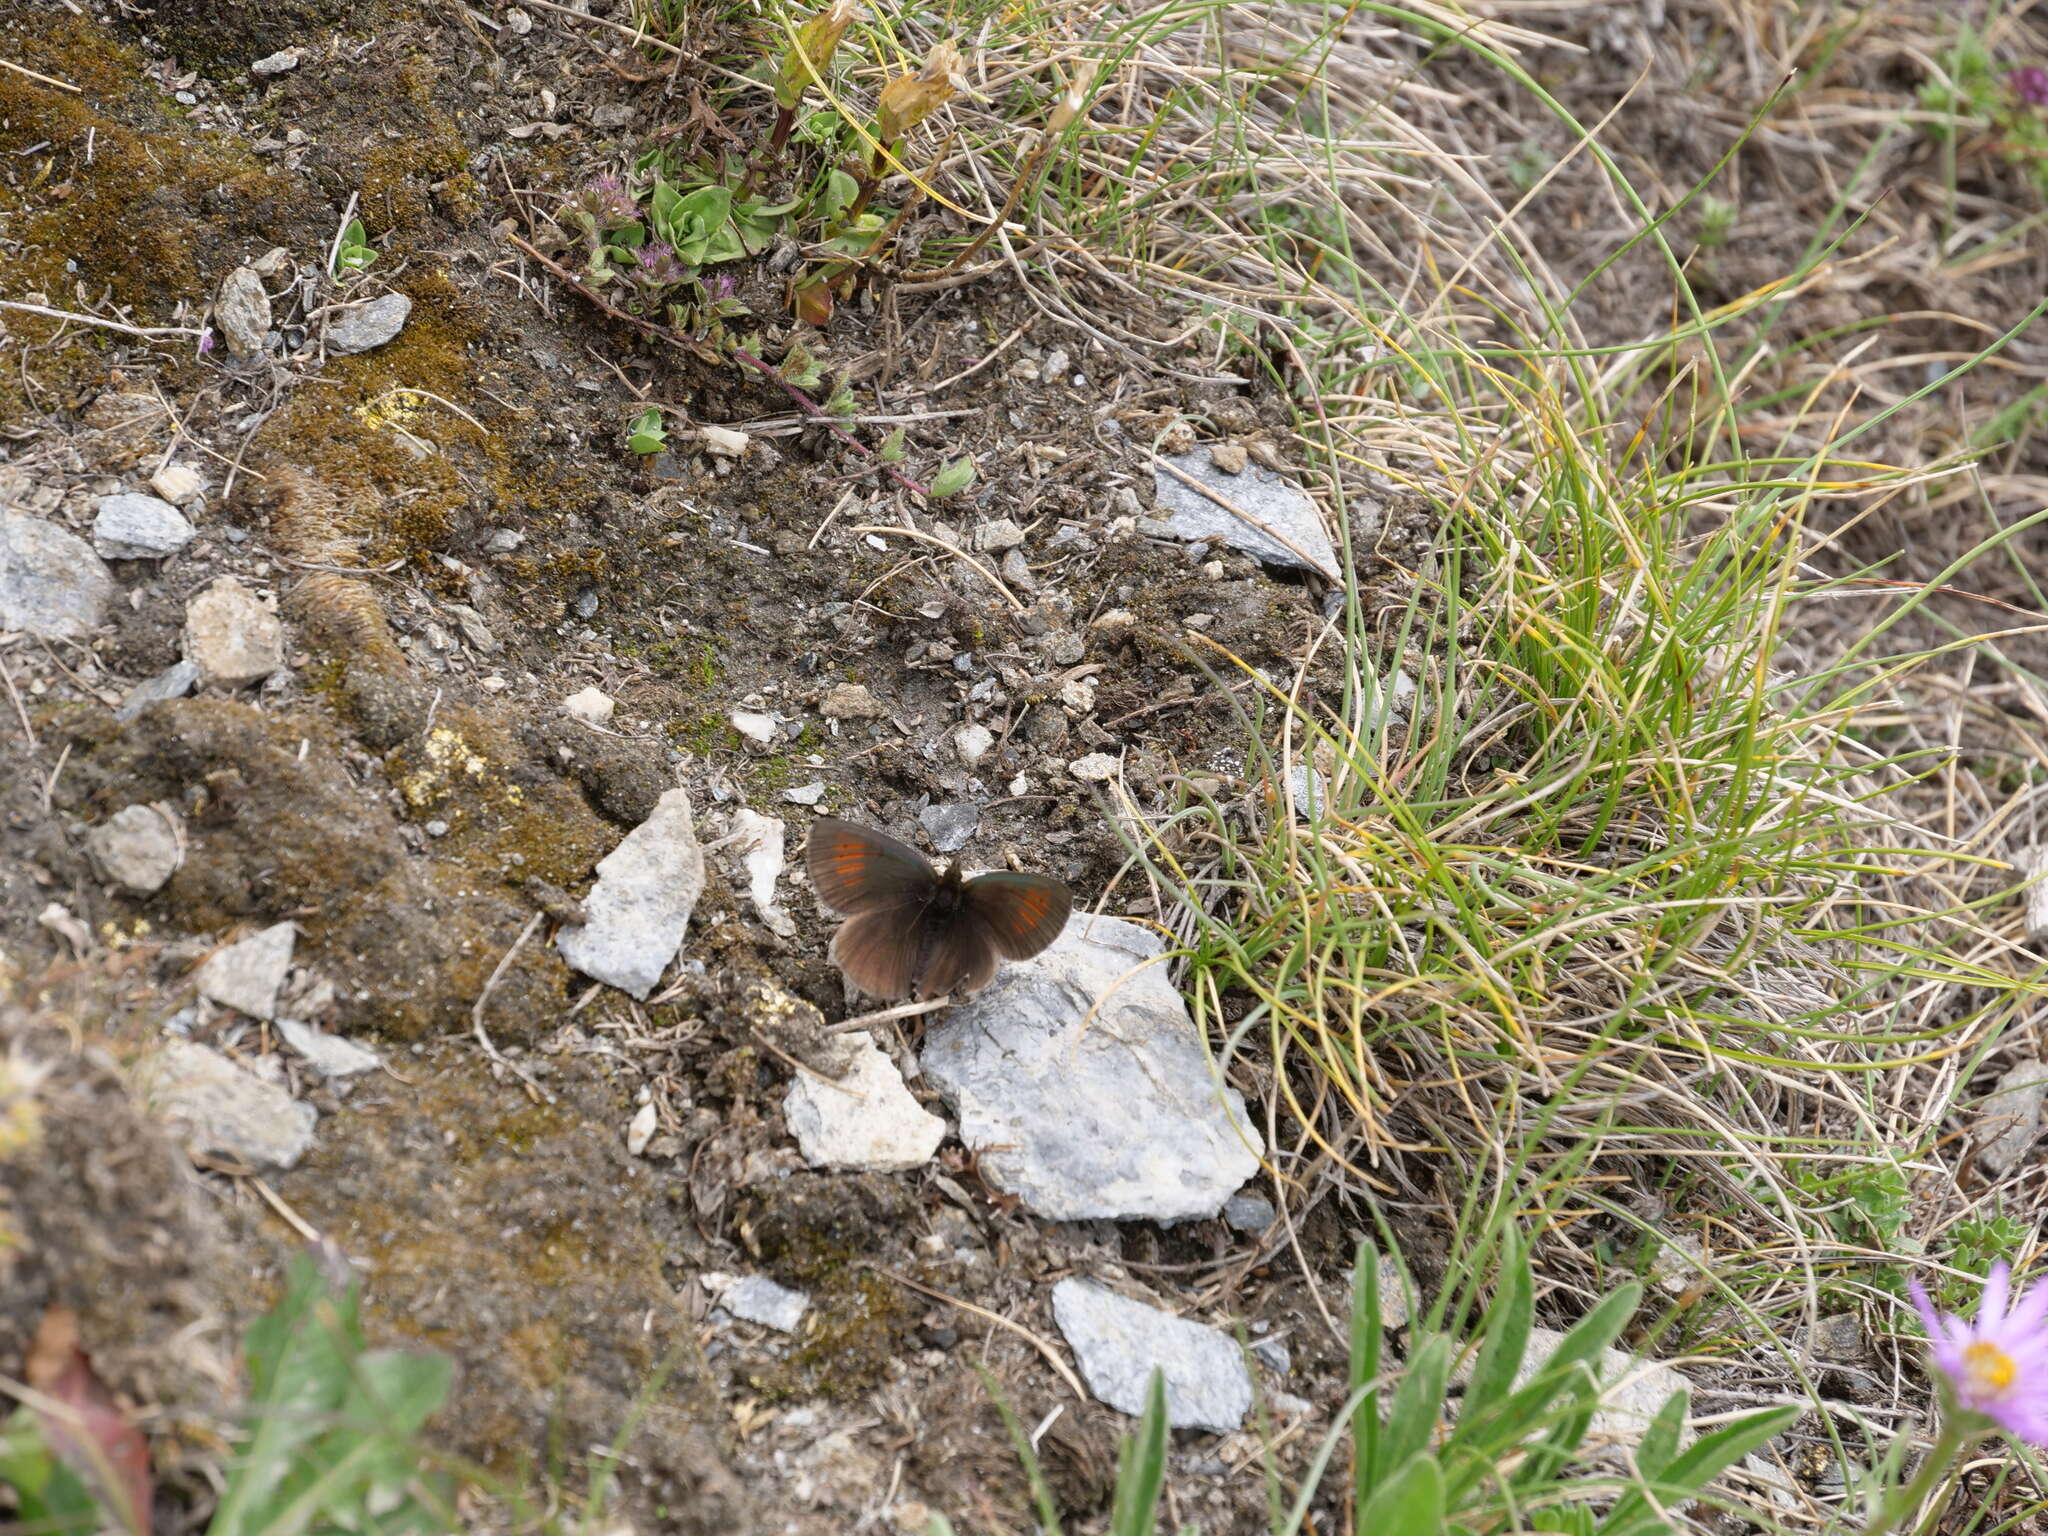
pixel 1256 511
pixel 866 1119
pixel 248 976
pixel 218 1110
pixel 359 327
pixel 1119 1342
pixel 51 582
pixel 329 1055
pixel 137 527
pixel 757 1299
pixel 1083 1089
pixel 646 889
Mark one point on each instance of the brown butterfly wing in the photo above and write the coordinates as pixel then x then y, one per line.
pixel 877 950
pixel 962 958
pixel 857 869
pixel 1021 914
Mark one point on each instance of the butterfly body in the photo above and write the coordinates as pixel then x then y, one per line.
pixel 912 931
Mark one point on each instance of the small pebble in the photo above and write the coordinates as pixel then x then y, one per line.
pixel 995 537
pixel 971 743
pixel 805 794
pixel 592 706
pixel 177 483
pixel 437 828
pixel 1095 768
pixel 276 63
pixel 849 701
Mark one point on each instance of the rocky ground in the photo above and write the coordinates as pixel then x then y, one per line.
pixel 344 640
pixel 402 789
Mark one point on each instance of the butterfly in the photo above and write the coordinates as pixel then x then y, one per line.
pixel 913 932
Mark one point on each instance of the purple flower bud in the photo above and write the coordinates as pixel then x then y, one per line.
pixel 607 201
pixel 2030 84
pixel 658 264
pixel 723 285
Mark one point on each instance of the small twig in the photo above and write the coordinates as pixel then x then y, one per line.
pixel 476 1014
pixel 146 332
pixel 50 784
pixel 952 549
pixel 292 1218
pixel 884 1015
pixel 811 407
pixel 23 69
pixel 27 730
pixel 340 234
pixel 1037 1343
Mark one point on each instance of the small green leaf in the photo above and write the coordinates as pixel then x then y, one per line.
pixel 841 402
pixel 1411 1501
pixel 51 1497
pixel 1141 1467
pixel 800 368
pixel 646 434
pixel 891 451
pixel 953 479
pixel 1417 1404
pixel 1507 1331
pixel 706 207
pixel 840 191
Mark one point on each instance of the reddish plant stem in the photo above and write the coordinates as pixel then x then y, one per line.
pixel 816 412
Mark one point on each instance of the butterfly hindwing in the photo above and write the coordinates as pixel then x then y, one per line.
pixel 878 950
pixel 856 869
pixel 961 958
pixel 1021 914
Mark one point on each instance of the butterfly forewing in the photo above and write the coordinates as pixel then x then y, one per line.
pixel 857 870
pixel 1020 913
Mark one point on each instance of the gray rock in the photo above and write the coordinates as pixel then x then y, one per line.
pixel 232 637
pixel 1083 1089
pixel 51 583
pixel 1249 1213
pixel 219 1110
pixel 174 682
pixel 133 527
pixel 757 1299
pixel 805 794
pixel 1095 768
pixel 646 889
pixel 246 976
pixel 2009 1120
pixel 359 327
pixel 867 1119
pixel 1274 1355
pixel 997 536
pixel 136 848
pixel 1255 511
pixel 275 63
pixel 950 826
pixel 242 311
pixel 329 1055
pixel 1119 1342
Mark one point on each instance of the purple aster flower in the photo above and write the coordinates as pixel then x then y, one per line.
pixel 658 264
pixel 2030 84
pixel 1998 1365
